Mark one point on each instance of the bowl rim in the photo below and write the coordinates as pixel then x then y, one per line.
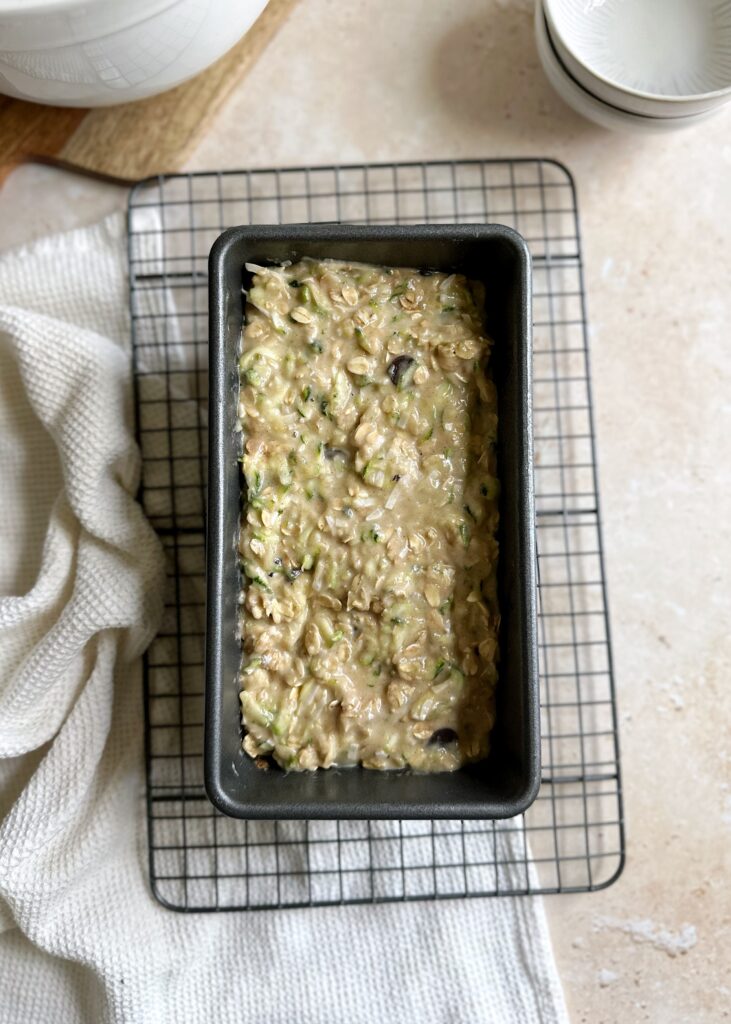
pixel 614 84
pixel 30 9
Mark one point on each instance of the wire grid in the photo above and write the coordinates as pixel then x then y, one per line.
pixel 571 839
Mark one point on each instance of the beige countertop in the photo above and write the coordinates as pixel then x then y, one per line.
pixel 399 79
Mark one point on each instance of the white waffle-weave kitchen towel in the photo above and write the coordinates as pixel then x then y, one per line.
pixel 81 938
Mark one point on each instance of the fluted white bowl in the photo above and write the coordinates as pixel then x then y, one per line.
pixel 656 58
pixel 93 53
pixel 590 106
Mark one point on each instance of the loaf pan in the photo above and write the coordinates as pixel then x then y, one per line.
pixel 506 782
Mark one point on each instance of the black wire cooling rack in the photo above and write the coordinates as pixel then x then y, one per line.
pixel 571 839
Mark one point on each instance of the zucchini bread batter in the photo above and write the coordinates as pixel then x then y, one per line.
pixel 368 537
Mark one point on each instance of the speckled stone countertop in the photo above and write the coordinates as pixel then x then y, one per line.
pixel 428 79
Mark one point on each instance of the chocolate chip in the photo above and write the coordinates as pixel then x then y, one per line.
pixel 398 369
pixel 335 453
pixel 442 737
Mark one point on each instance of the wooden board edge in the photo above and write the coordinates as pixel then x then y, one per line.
pixel 165 128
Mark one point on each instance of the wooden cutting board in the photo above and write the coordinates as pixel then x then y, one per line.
pixel 134 140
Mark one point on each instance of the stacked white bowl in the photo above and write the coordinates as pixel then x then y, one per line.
pixel 643 65
pixel 95 53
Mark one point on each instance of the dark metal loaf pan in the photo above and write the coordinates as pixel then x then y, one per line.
pixel 506 782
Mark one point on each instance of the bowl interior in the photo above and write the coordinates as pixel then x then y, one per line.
pixel 674 49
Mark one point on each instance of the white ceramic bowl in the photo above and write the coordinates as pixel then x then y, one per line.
pixel 93 53
pixel 590 106
pixel 657 58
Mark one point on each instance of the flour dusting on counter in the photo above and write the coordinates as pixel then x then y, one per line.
pixel 646 930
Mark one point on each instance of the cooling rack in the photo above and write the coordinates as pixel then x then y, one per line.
pixel 571 839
